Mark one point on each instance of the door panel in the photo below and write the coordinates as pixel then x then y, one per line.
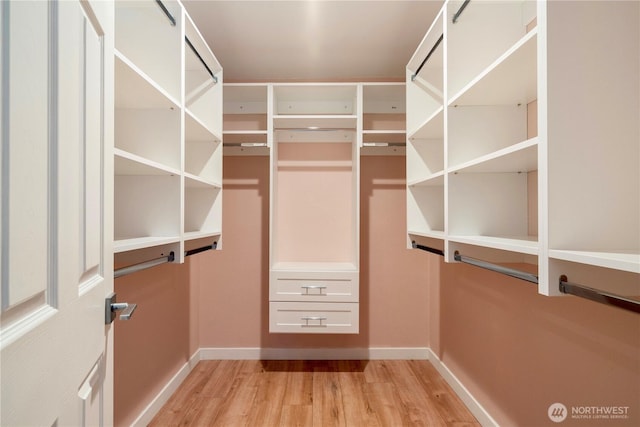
pixel 56 227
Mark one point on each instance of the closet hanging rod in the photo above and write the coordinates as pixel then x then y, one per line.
pixel 215 79
pixel 427 248
pixel 497 268
pixel 459 12
pixel 599 296
pixel 202 249
pixel 244 144
pixel 166 12
pixel 143 265
pixel 383 144
pixel 435 46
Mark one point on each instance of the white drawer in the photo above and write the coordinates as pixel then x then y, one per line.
pixel 314 317
pixel 315 287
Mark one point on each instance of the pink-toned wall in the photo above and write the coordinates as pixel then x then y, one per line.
pixel 518 352
pixel 234 282
pixel 220 298
pixel 151 347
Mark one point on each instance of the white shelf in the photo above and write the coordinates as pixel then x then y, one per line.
pixel 283 122
pixel 331 136
pixel 510 80
pixel 124 245
pixel 522 157
pixel 431 128
pixel 194 181
pixel 525 245
pixel 432 234
pixel 622 260
pixel 315 266
pixel 195 235
pixel 195 130
pixel 135 89
pixel 131 164
pixel 434 180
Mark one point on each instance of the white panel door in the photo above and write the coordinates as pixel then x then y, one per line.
pixel 56 212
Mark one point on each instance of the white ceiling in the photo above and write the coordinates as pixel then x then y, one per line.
pixel 312 40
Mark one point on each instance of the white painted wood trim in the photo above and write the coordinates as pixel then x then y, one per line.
pixel 481 414
pixel 255 353
pixel 167 391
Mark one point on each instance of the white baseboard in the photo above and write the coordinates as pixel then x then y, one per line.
pixel 467 398
pixel 167 391
pixel 255 353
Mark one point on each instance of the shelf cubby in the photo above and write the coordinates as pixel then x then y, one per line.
pixel 156 48
pixel 482 33
pixel 425 209
pixel 146 207
pixel 315 99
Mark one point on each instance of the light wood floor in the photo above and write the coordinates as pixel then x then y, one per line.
pixel 314 393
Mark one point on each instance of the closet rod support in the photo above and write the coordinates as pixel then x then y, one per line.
pixel 459 12
pixel 427 248
pixel 143 265
pixel 522 275
pixel 202 249
pixel 598 296
pixel 435 46
pixel 215 79
pixel 166 12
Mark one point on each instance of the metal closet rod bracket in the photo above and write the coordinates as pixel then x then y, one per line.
pixel 522 275
pixel 414 245
pixel 597 295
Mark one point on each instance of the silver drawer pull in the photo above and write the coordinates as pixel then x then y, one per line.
pixel 308 319
pixel 318 287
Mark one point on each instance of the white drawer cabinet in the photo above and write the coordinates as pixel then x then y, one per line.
pixel 307 286
pixel 313 317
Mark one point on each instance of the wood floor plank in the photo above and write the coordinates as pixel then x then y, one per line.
pixel 296 416
pixel 443 398
pixel 383 400
pixel 417 406
pixel 375 393
pixel 328 409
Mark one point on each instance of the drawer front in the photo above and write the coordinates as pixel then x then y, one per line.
pixel 326 287
pixel 314 317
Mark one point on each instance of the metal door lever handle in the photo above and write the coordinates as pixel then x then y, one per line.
pixel 127 308
pixel 111 306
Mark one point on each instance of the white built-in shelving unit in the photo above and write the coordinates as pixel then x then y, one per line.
pixel 314 279
pixel 383 119
pixel 314 134
pixel 523 139
pixel 168 132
